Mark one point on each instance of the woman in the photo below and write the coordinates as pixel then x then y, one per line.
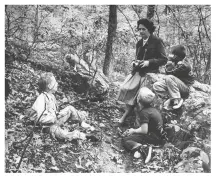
pixel 150 54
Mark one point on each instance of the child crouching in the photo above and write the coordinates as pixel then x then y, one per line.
pixel 150 129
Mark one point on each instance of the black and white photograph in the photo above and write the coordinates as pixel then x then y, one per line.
pixel 107 88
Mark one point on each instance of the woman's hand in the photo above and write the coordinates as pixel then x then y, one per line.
pixel 169 66
pixel 144 64
pixel 129 132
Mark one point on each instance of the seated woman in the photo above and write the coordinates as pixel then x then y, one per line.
pixel 178 79
pixel 150 54
pixel 150 130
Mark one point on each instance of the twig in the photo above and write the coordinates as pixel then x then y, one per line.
pixel 201 15
pixel 128 23
pixel 31 135
pixel 75 152
pixel 158 20
pixel 18 166
pixel 197 114
pixel 183 32
pixel 135 11
pixel 72 102
pixel 23 139
pixel 94 169
pixel 91 84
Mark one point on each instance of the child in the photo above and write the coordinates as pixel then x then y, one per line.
pixel 179 78
pixel 151 126
pixel 47 114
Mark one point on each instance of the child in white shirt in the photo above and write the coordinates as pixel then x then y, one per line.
pixel 47 114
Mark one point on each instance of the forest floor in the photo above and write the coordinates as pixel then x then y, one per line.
pixel 45 154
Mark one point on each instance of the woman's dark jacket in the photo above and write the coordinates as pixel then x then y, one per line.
pixel 153 51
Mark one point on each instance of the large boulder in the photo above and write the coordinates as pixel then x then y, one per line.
pixel 193 159
pixel 195 114
pixel 96 83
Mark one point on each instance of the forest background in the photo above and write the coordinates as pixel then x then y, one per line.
pixel 37 31
pixel 102 35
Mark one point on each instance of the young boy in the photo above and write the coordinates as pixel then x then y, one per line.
pixel 178 79
pixel 47 114
pixel 151 126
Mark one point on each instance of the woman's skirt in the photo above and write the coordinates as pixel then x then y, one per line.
pixel 129 89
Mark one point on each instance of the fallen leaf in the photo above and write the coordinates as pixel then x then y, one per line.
pixel 88 164
pixel 30 166
pixel 204 157
pixel 119 161
pixel 21 117
pixel 63 146
pixel 101 125
pixel 17 159
pixel 42 165
pixel 79 166
pixel 53 161
pixel 54 168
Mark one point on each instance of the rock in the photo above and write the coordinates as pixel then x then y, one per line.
pixel 189 166
pixel 108 139
pixel 195 113
pixel 188 126
pixel 179 137
pixel 137 155
pixel 202 87
pixel 190 152
pixel 194 152
pixel 93 77
pixel 193 160
pixel 102 125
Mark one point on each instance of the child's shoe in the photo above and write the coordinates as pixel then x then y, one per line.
pixel 144 151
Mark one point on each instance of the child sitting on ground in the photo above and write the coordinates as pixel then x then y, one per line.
pixel 47 114
pixel 150 130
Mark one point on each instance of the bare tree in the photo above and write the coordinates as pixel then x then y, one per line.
pixel 111 34
pixel 150 11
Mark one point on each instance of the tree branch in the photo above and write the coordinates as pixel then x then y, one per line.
pixel 128 23
pixel 135 11
pixel 183 33
pixel 158 20
pixel 200 12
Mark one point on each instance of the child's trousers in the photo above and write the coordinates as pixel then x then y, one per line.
pixel 131 142
pixel 68 113
pixel 173 85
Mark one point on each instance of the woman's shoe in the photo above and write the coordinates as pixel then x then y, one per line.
pixel 177 103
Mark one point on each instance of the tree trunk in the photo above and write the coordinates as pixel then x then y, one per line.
pixel 150 11
pixel 111 34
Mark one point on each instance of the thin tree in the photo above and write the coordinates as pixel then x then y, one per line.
pixel 150 11
pixel 111 34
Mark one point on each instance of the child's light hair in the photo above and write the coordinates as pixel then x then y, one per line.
pixel 145 96
pixel 45 81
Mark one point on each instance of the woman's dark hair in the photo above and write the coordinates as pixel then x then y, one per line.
pixel 147 23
